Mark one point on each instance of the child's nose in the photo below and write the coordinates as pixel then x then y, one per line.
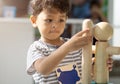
pixel 54 25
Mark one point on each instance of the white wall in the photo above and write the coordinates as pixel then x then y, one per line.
pixel 15 37
pixel 116 24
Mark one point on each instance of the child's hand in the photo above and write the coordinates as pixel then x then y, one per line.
pixel 78 40
pixel 110 63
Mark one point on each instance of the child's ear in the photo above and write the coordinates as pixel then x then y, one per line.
pixel 33 20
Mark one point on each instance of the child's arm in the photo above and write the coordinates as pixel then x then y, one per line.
pixel 47 64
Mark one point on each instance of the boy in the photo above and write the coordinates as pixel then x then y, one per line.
pixel 51 51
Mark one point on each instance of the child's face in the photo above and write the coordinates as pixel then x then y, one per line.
pixel 50 23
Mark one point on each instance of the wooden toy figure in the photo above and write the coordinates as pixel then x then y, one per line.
pixel 87 54
pixel 103 32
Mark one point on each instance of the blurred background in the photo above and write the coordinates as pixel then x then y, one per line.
pixel 17 33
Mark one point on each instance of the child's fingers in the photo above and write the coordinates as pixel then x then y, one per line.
pixel 93 60
pixel 82 32
pixel 110 64
pixel 110 61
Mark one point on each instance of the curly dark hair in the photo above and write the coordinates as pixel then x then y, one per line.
pixel 63 6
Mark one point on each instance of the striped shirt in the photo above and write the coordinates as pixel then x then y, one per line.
pixel 40 49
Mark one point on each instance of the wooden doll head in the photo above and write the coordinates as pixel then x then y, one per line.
pixel 103 31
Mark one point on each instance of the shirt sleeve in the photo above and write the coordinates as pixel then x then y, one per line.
pixel 34 53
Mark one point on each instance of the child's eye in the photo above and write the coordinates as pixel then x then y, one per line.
pixel 61 20
pixel 48 20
